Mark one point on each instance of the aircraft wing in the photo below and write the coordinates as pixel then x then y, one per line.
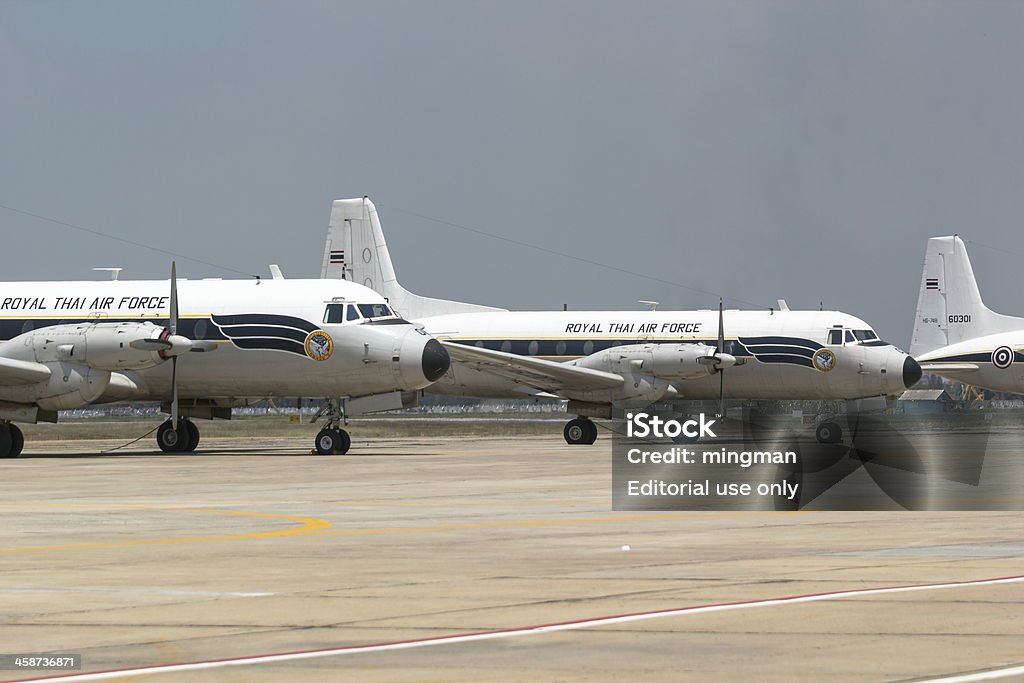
pixel 534 372
pixel 949 367
pixel 16 372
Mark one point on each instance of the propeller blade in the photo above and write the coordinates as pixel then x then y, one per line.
pixel 721 368
pixel 173 321
pixel 203 346
pixel 183 345
pixel 721 327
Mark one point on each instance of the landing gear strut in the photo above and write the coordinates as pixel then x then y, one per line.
pixel 11 440
pixel 332 439
pixel 183 440
pixel 580 431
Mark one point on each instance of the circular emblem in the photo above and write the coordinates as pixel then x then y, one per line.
pixel 824 360
pixel 319 345
pixel 1002 357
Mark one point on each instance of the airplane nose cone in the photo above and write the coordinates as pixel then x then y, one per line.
pixel 911 372
pixel 435 360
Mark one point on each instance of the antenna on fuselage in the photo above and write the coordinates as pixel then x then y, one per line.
pixel 652 305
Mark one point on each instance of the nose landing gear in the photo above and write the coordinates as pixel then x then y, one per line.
pixel 332 439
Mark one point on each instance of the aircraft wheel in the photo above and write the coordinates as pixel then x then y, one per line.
pixel 193 435
pixel 171 441
pixel 580 432
pixel 333 442
pixel 6 442
pixel 828 432
pixel 17 441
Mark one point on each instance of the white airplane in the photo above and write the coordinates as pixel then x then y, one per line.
pixel 65 345
pixel 955 334
pixel 598 359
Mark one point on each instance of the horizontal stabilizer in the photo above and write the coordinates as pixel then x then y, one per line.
pixel 19 372
pixel 546 375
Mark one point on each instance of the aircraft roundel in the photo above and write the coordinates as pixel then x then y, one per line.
pixel 1002 357
pixel 319 345
pixel 824 360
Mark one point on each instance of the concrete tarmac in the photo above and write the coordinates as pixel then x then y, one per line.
pixel 253 547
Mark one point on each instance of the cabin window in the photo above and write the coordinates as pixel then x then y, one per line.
pixel 334 314
pixel 375 310
pixel 588 348
pixel 533 348
pixel 560 348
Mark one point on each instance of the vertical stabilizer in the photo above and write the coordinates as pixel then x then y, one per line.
pixel 949 305
pixel 356 251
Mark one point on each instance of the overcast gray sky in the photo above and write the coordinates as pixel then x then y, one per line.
pixel 803 150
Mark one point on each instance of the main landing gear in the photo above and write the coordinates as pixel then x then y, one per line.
pixel 828 432
pixel 11 440
pixel 580 431
pixel 332 439
pixel 181 440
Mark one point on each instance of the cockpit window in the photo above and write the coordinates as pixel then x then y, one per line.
pixel 849 336
pixel 835 336
pixel 864 335
pixel 375 310
pixel 335 313
pixel 352 314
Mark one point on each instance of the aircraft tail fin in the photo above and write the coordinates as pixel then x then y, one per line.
pixel 949 305
pixel 356 251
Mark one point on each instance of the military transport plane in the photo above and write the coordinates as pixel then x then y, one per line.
pixel 597 359
pixel 955 334
pixel 65 345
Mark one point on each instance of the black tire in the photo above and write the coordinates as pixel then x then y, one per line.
pixel 580 432
pixel 171 441
pixel 193 436
pixel 17 441
pixel 828 432
pixel 6 442
pixel 330 441
pixel 346 442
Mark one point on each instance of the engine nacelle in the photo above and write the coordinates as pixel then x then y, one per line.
pixel 664 361
pixel 103 346
pixel 70 385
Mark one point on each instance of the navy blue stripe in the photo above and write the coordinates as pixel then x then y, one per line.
pixel 784 341
pixel 249 331
pixel 12 327
pixel 265 319
pixel 791 350
pixel 270 345
pixel 790 360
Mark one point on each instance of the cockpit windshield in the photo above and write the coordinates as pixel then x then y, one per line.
pixel 375 310
pixel 864 335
